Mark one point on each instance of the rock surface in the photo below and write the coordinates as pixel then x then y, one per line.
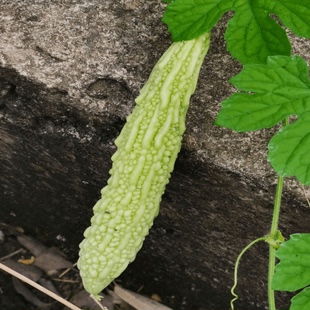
pixel 69 73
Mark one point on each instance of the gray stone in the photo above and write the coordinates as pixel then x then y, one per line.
pixel 69 73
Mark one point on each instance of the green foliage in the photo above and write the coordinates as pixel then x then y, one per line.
pixel 252 34
pixel 269 94
pixel 301 301
pixel 187 19
pixel 293 271
pixel 289 150
pixel 273 87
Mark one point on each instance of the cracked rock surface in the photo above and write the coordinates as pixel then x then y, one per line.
pixel 69 73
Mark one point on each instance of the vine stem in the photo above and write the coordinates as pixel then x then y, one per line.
pixel 272 250
pixel 273 230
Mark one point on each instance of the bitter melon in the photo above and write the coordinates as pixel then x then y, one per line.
pixel 147 148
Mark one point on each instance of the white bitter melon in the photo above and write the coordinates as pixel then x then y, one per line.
pixel 147 148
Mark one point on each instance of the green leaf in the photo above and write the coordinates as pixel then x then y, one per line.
pixel 293 271
pixel 289 150
pixel 188 19
pixel 294 15
pixel 252 34
pixel 301 301
pixel 272 92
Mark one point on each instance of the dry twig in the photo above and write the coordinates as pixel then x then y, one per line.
pixel 39 287
pixel 11 254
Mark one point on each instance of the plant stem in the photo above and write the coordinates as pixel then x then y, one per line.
pixel 273 230
pixel 272 250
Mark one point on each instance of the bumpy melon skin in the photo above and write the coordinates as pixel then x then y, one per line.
pixel 147 148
